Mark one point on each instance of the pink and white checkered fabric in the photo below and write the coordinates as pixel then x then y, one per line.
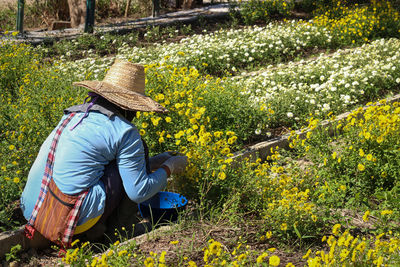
pixel 73 219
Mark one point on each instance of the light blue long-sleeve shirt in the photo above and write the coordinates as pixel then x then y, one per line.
pixel 80 158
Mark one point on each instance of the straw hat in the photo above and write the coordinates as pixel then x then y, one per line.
pixel 124 86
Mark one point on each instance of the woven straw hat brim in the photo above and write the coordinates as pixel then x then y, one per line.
pixel 126 99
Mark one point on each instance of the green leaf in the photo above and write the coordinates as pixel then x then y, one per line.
pixel 297 231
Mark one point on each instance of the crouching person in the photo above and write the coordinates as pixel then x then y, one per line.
pixel 94 168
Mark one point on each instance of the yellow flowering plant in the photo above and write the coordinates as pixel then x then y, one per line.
pixel 205 122
pixel 353 23
pixel 31 104
pixel 345 249
pixel 357 166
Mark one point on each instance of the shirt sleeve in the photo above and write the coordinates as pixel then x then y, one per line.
pixel 138 185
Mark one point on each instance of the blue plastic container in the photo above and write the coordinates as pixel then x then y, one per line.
pixel 163 207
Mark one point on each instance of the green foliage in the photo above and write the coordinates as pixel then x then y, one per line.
pixel 13 254
pixel 8 18
pixel 256 11
pixel 31 105
pixel 91 44
pixel 18 62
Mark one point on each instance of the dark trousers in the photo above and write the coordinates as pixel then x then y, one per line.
pixel 120 214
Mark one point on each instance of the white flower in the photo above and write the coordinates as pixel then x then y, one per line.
pixel 289 114
pixel 257 131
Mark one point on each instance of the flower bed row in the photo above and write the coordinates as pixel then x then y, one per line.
pixel 329 83
pixel 226 50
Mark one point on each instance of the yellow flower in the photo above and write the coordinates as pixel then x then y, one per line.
pixel 168 119
pixel 336 228
pixel 369 157
pixel 155 121
pixel 161 260
pixel 74 243
pixel 366 216
pixel 343 254
pixel 192 264
pixel 160 97
pixel 268 234
pixel 360 167
pixel 142 132
pixel 179 134
pixel 226 150
pixel 16 180
pixel 261 258
pixel 274 260
pixel 314 218
pixel 215 248
pixel 149 262
pixel 242 257
pixel 221 176
pixel 283 226
pixel 307 254
pixel 383 213
pixel 174 242
pixel 11 147
pixel 122 252
pixel 232 140
pixel 361 153
pixel 144 125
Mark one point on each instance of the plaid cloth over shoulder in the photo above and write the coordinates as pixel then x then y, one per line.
pixel 58 218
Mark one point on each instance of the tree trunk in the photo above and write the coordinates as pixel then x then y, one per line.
pixel 77 11
pixel 63 10
pixel 128 4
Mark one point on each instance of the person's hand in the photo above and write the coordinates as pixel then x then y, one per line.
pixel 157 160
pixel 176 164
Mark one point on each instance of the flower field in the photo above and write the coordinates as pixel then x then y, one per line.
pixel 332 198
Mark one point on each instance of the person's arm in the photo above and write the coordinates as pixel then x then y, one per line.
pixel 138 185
